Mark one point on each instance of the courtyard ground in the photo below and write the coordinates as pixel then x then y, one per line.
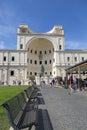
pixel 62 111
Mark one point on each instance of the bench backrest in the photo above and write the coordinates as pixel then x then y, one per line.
pixel 13 110
pixel 22 99
pixel 29 91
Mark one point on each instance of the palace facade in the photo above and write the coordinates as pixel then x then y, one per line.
pixel 36 49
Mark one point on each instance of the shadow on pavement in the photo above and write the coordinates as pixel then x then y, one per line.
pixel 40 101
pixel 44 120
pixel 39 94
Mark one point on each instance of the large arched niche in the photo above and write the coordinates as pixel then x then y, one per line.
pixel 34 39
pixel 40 51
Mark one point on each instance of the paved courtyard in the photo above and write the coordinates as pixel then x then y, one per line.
pixel 66 112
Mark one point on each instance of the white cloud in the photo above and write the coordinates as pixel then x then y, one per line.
pixel 2 45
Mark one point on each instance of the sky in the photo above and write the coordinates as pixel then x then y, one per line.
pixel 41 16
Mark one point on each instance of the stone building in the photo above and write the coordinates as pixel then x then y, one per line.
pixel 36 49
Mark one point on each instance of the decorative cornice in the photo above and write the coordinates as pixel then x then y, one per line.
pixel 13 50
pixel 72 51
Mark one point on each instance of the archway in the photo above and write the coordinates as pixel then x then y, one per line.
pixel 40 52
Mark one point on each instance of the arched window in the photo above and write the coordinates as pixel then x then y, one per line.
pixel 40 62
pixel 30 73
pixel 45 52
pixel 45 72
pixel 40 52
pixel 35 52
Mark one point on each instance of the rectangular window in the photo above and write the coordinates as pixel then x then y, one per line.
pixel 82 58
pixel 60 47
pixel 75 58
pixel 12 73
pixel 35 62
pixel 4 59
pixel 68 58
pixel 35 73
pixel 21 46
pixel 45 52
pixel 13 58
pixel 45 61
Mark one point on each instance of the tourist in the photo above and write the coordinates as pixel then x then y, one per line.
pixel 70 82
pixel 75 81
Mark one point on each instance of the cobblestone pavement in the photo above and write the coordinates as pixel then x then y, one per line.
pixel 67 112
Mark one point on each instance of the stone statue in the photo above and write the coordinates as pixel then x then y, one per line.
pixel 42 69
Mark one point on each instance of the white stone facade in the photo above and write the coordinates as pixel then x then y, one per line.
pixel 35 49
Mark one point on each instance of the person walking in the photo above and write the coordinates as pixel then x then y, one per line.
pixel 70 82
pixel 75 81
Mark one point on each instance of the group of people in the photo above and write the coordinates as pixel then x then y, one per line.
pixel 52 82
pixel 77 84
pixel 42 83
